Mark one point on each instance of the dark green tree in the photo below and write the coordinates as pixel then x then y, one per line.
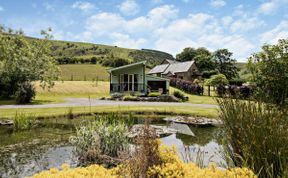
pixel 269 69
pixel 225 64
pixel 202 57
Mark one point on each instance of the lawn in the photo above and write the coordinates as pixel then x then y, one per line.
pixel 83 72
pixel 195 98
pixel 164 110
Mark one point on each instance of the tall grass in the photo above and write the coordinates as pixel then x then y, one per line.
pixel 256 135
pixel 24 121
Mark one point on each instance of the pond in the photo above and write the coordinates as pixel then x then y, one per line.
pixel 25 153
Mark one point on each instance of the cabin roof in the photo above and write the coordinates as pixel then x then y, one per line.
pixel 127 66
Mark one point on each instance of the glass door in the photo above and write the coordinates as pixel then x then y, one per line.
pixel 130 82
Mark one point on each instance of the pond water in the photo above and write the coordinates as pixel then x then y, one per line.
pixel 25 153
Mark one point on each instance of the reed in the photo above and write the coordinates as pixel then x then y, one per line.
pixel 256 136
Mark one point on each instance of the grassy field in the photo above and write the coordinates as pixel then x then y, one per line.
pixel 83 72
pixel 72 89
pixel 164 110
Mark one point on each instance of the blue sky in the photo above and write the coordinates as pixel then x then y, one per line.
pixel 167 25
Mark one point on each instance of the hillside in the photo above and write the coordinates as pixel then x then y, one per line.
pixel 67 52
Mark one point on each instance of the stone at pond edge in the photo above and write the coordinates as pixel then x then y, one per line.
pixel 200 121
pixel 160 130
pixel 6 122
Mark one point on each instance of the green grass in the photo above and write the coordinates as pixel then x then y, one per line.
pixel 83 72
pixel 195 98
pixel 54 112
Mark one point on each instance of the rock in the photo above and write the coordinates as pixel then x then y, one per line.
pixel 182 128
pixel 199 121
pixel 160 130
pixel 6 122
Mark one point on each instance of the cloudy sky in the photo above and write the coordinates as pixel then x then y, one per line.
pixel 168 25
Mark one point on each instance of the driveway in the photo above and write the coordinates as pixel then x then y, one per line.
pixel 73 102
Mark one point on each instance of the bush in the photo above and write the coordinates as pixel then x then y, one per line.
pixel 154 94
pixel 215 80
pixel 115 62
pixel 93 60
pixel 180 95
pixel 187 86
pixel 256 135
pixel 25 93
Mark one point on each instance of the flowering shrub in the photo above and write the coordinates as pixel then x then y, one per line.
pixel 187 86
pixel 171 166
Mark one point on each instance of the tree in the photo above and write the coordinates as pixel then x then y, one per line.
pixel 215 80
pixel 202 57
pixel 187 54
pixel 23 61
pixel 269 69
pixel 225 64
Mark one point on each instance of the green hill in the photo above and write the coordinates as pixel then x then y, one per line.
pixel 67 52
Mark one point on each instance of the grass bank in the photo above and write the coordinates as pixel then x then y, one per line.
pixel 164 110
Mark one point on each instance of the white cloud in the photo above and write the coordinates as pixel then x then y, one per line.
pixel 129 7
pixel 269 7
pixel 217 3
pixel 124 40
pixel 227 20
pixel 246 24
pixel 161 29
pixel 1 9
pixel 84 6
pixel 279 32
pixel 104 23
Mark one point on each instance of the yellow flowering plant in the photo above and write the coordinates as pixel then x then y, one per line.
pixel 171 166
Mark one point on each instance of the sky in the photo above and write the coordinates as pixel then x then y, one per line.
pixel 241 26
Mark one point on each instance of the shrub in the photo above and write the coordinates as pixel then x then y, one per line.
pixel 180 95
pixel 215 80
pixel 115 62
pixel 25 93
pixel 154 94
pixel 130 98
pixel 187 86
pixel 93 60
pixel 257 136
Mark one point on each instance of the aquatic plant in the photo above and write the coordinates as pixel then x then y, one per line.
pixel 256 136
pixel 24 121
pixel 101 141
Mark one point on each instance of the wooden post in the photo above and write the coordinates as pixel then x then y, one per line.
pixel 96 81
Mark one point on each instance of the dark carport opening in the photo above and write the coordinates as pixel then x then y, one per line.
pixel 154 86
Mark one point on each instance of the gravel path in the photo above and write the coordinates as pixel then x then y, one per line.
pixel 70 102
